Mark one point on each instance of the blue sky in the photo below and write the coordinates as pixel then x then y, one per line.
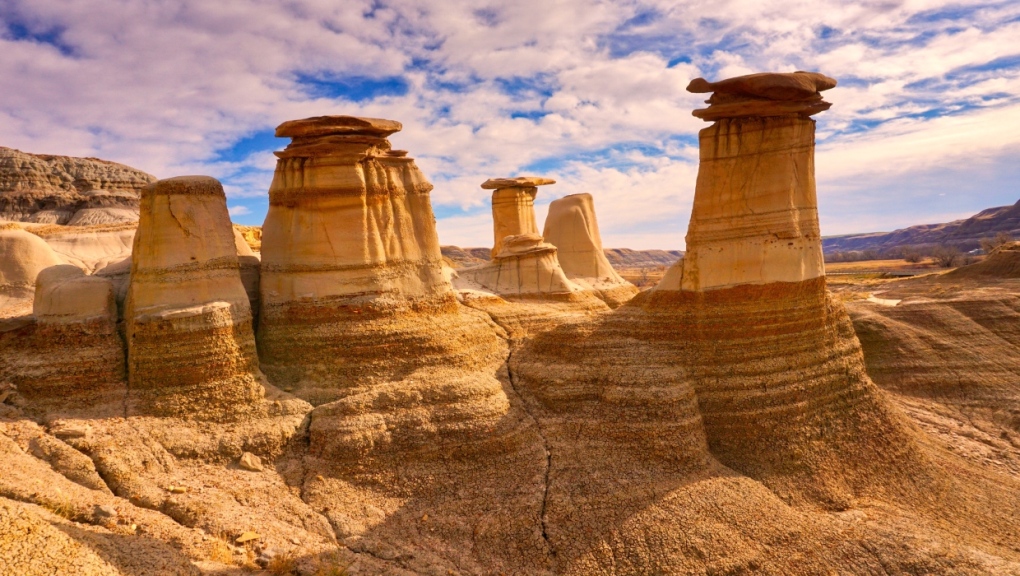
pixel 923 128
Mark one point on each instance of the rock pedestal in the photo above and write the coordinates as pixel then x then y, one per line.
pixel 523 264
pixel 573 229
pixel 513 207
pixel 191 349
pixel 755 217
pixel 778 372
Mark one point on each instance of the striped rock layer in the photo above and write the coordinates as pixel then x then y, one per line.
pixel 191 348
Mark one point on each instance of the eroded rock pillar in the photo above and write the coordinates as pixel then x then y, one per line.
pixel 191 349
pixel 571 226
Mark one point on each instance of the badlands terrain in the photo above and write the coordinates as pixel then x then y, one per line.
pixel 336 393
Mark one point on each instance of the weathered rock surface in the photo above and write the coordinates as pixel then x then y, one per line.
pixel 571 226
pixel 755 217
pixel 61 190
pixel 413 403
pixel 191 349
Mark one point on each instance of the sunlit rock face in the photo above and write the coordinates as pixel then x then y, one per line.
pixel 772 356
pixel 571 226
pixel 350 257
pixel 513 207
pixel 191 349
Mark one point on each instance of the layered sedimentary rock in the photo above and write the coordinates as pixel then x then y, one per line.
pixel 64 190
pixel 571 226
pixel 71 358
pixel 349 245
pixel 772 356
pixel 523 264
pixel 513 207
pixel 191 349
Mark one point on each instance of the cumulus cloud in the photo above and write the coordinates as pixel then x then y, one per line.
pixel 589 92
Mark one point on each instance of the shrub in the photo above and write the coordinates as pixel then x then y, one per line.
pixel 989 244
pixel 946 256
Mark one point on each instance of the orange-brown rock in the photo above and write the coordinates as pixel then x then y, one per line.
pixel 755 217
pixel 191 349
pixel 762 95
pixel 571 226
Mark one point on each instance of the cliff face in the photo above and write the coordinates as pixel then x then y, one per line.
pixel 966 234
pixel 65 190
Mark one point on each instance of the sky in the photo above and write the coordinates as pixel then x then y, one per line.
pixel 924 127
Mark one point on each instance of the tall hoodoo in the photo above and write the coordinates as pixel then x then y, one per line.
pixel 755 217
pixel 571 226
pixel 191 349
pixel 349 219
pixel 523 263
pixel 778 372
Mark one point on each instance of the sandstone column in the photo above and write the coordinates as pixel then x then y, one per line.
pixel 351 269
pixel 191 349
pixel 571 226
pixel 523 264
pixel 513 206
pixel 776 366
pixel 755 217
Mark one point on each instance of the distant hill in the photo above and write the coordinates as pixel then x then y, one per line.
pixel 965 234
pixel 620 258
pixel 48 189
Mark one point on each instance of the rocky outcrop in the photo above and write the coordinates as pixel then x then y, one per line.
pixel 513 207
pixel 572 228
pixel 523 264
pixel 22 257
pixel 64 190
pixel 349 249
pixel 70 359
pixel 191 349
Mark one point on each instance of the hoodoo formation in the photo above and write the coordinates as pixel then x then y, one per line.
pixel 191 349
pixel 773 355
pixel 523 264
pixel 571 226
pixel 534 417
pixel 351 267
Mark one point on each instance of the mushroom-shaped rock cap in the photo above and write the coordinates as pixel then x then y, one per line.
pixel 190 185
pixel 769 85
pixel 519 182
pixel 337 125
pixel 765 94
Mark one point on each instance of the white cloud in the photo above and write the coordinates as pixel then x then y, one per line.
pixel 165 86
pixel 239 210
